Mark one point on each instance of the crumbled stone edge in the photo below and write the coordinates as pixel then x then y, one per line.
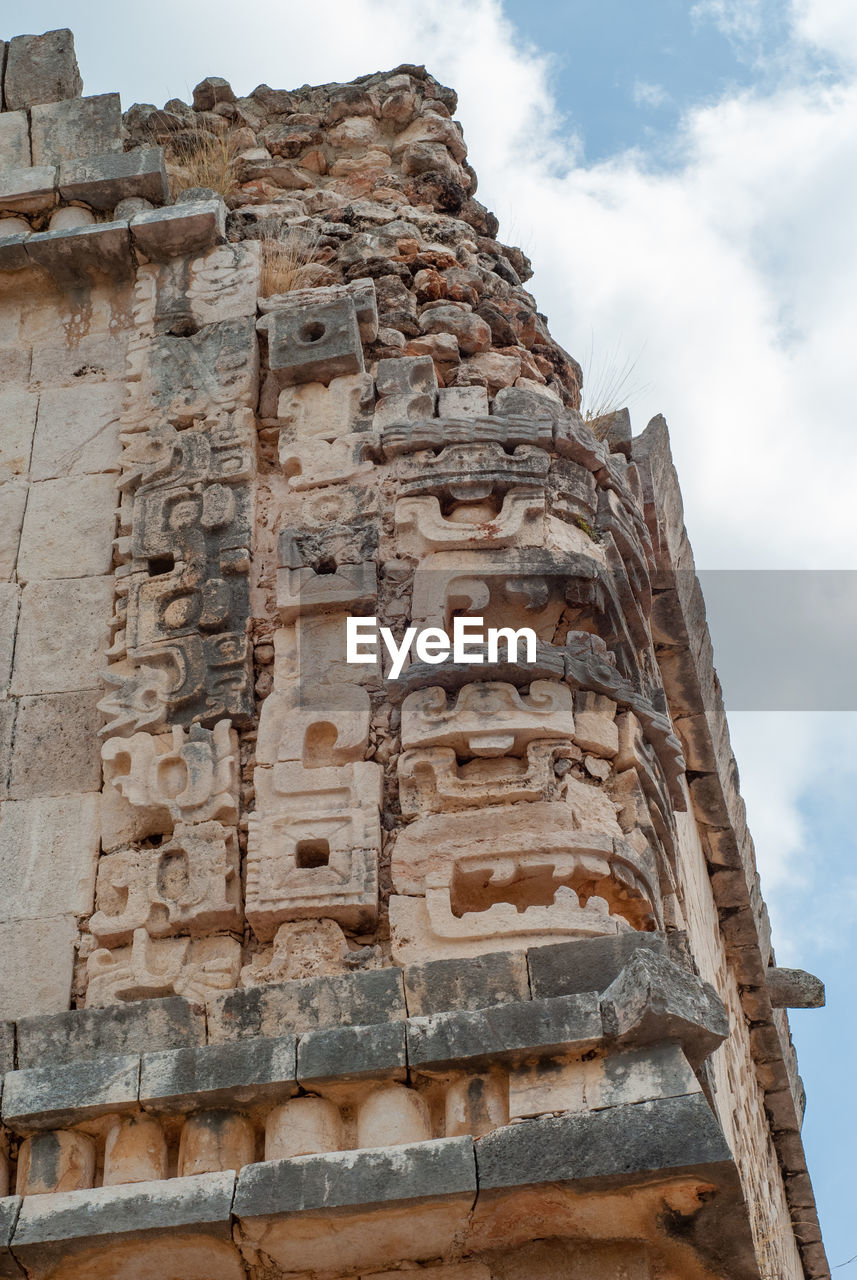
pixel 686 658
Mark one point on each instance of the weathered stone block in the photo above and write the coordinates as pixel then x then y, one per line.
pixel 462 402
pixel 37 961
pixel 218 1074
pixel 589 964
pixel 349 1053
pixel 103 180
pixel 45 661
pixel 135 1027
pixel 28 190
pixel 794 989
pixel 41 69
pixel 63 1160
pixel 68 528
pixel 77 432
pixel 191 377
pixel 590 1084
pixel 15 367
pixel 327 412
pixel 314 342
pixel 14 140
pixel 72 255
pixel 56 745
pixel 7 1046
pixel 48 852
pixel 75 128
pixel 653 1000
pixel 47 1097
pixel 97 357
pixel 13 503
pixel 506 1030
pixel 13 252
pixel 305 1004
pixel 668 1134
pixel 17 426
pixel 190 227
pixel 443 1167
pixel 10 1207
pixel 407 388
pixel 135 1150
pixel 469 983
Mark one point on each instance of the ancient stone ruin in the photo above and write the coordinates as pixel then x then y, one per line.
pixel 310 971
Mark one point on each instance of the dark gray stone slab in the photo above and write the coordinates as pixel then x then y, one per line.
pixel 349 1053
pixel 102 181
pixel 218 1074
pixel 349 999
pixel 539 1026
pixel 10 1207
pixel 28 190
pixel 183 228
pixel 41 69
pixel 201 1202
pixel 663 1135
pixel 14 138
pixel 140 1025
pixel 382 1175
pixel 653 1000
pixel 472 983
pixel 75 128
pixel 72 254
pixel 7 1046
pixel 46 1097
pixel 590 964
pixel 794 989
pixel 13 254
pixel 314 341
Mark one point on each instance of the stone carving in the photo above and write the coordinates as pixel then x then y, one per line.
pixel 407 389
pixel 313 845
pixel 487 720
pixel 314 724
pixel 314 341
pixel 431 780
pixel 335 585
pixel 151 968
pixel 326 412
pixel 419 434
pixel 191 776
pixel 309 464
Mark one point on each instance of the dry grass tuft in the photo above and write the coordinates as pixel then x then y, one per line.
pixel 197 158
pixel 608 385
pixel 287 261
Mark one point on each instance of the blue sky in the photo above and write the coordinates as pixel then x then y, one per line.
pixel 684 176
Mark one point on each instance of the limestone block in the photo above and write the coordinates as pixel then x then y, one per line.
pixel 46 1097
pixel 58 1161
pixel 794 989
pixel 7 1046
pixel 76 128
pixel 56 748
pixel 216 1074
pixel 476 983
pixel 302 592
pixel 37 960
pixel 8 712
pixel 48 850
pixel 462 402
pixel 189 227
pixel 497 370
pixel 135 1150
pixel 221 284
pixel 68 529
pixel 213 371
pixel 393 1116
pixel 187 885
pixel 314 341
pixel 432 781
pixel 103 180
pixel 352 1053
pixel 28 190
pixel 17 425
pixel 91 1033
pixel 13 503
pixel 407 390
pixel 316 725
pixel 487 719
pixel 77 431
pixel 96 357
pixel 310 464
pixel 313 845
pixel 13 252
pixel 327 412
pixel 361 292
pixel 595 724
pixel 653 1000
pixel 422 528
pixel 188 776
pixel 614 1080
pixel 150 967
pixel 14 140
pixel 476 1104
pixel 72 255
pixel 588 964
pixel 305 1126
pixel 214 1141
pixel 41 69
pixel 353 999
pixel 401 438
pixel 72 216
pixel 15 367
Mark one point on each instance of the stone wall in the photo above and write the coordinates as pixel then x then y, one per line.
pixel 308 970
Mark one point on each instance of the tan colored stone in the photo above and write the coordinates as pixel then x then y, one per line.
pixel 17 425
pixel 392 1116
pixel 498 371
pixel 62 1160
pixel 315 724
pixel 62 635
pixel 312 463
pixel 476 1105
pixel 301 1127
pixel 487 719
pixel 77 431
pixel 154 967
pixel 326 412
pixel 213 1141
pixel 13 502
pixel 135 1150
pixel 56 745
pixel 68 529
pixel 190 775
pixel 595 724
pixel 10 599
pixel 301 949
pixel 423 528
pixel 48 852
pixel 37 963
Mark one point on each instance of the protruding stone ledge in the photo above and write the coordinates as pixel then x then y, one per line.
pixel 83 1034
pixel 47 1097
pixel 189 227
pixel 570 1023
pixel 219 1074
pixel 588 964
pixel 352 1053
pixel 28 190
pixel 468 983
pixel 102 181
pixel 73 253
pixel 10 1208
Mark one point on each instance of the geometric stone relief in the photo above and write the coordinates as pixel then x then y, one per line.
pixel 154 967
pixel 188 776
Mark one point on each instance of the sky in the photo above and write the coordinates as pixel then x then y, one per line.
pixel 684 177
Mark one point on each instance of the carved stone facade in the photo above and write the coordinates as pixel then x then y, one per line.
pixel 315 971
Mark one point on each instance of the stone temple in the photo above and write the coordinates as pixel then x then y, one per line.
pixel 307 972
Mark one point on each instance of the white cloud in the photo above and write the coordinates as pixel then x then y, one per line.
pixel 645 94
pixel 829 25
